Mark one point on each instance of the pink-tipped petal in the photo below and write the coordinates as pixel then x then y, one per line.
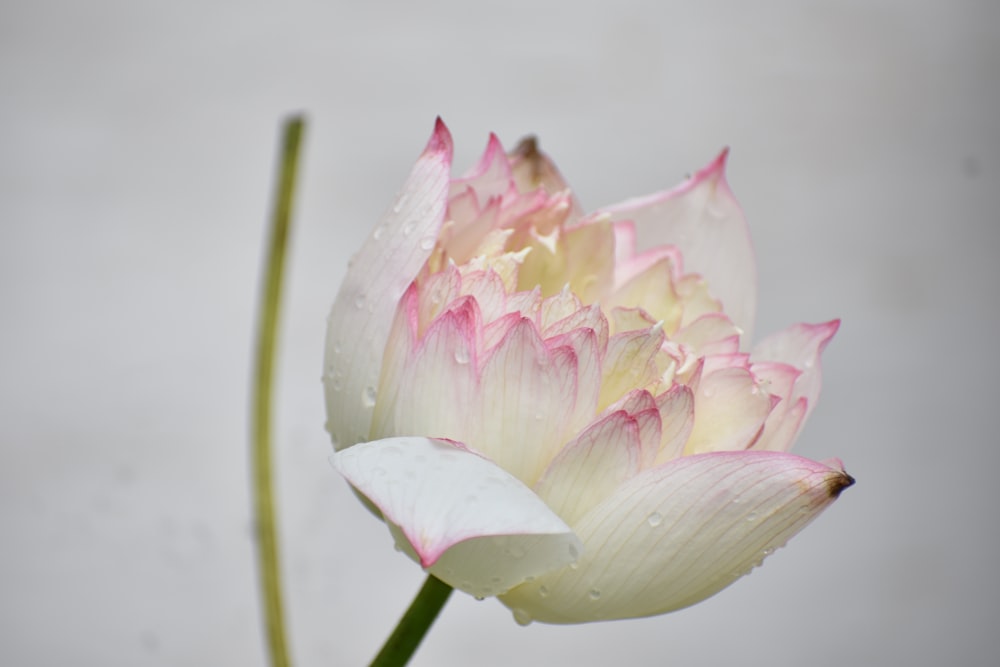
pixel 677 417
pixel 592 466
pixel 526 401
pixel 800 346
pixel 677 534
pixel 362 314
pixel 704 220
pixel 729 412
pixel 465 520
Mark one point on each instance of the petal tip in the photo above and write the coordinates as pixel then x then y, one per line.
pixel 838 483
pixel 440 142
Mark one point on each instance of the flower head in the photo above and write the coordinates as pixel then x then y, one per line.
pixel 559 409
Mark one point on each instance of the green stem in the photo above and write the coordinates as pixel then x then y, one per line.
pixel 267 334
pixel 417 620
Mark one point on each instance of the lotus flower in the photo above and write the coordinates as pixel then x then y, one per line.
pixel 555 408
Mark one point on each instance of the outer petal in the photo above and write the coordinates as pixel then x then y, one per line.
pixel 675 535
pixel 464 519
pixel 378 275
pixel 704 220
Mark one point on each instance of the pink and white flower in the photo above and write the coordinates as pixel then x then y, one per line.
pixel 556 408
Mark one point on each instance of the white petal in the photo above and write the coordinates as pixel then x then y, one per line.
pixel 465 520
pixel 704 220
pixel 674 535
pixel 377 277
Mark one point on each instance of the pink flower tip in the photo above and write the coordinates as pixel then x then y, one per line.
pixel 440 142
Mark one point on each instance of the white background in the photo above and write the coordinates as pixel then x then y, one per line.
pixel 137 145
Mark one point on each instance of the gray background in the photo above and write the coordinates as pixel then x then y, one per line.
pixel 136 153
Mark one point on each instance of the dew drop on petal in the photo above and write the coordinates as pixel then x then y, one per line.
pixel 368 397
pixel 359 301
pixel 573 552
pixel 461 355
pixel 516 551
pixel 427 242
pixel 594 594
pixel 543 591
pixel 752 516
pixel 479 598
pixel 654 519
pixel 521 617
pixel 379 232
pixel 409 227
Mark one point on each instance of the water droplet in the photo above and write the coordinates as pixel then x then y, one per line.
pixel 398 206
pixel 409 227
pixel 594 594
pixel 359 301
pixel 521 617
pixel 379 232
pixel 768 551
pixel 573 552
pixel 337 381
pixel 654 519
pixel 479 598
pixel 543 591
pixel 427 242
pixel 368 397
pixel 516 550
pixel 462 355
pixel 752 516
pixel 397 546
pixel 539 416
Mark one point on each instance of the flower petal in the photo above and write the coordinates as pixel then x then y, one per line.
pixel 675 535
pixel 729 412
pixel 704 220
pixel 465 520
pixel 362 314
pixel 588 469
pixel 799 346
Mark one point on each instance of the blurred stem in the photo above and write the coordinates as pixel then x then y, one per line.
pixel 417 620
pixel 267 335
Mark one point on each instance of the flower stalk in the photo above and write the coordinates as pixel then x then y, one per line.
pixel 404 640
pixel 265 515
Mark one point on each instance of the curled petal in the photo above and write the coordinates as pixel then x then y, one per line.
pixel 675 535
pixel 703 219
pixel 362 314
pixel 464 519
